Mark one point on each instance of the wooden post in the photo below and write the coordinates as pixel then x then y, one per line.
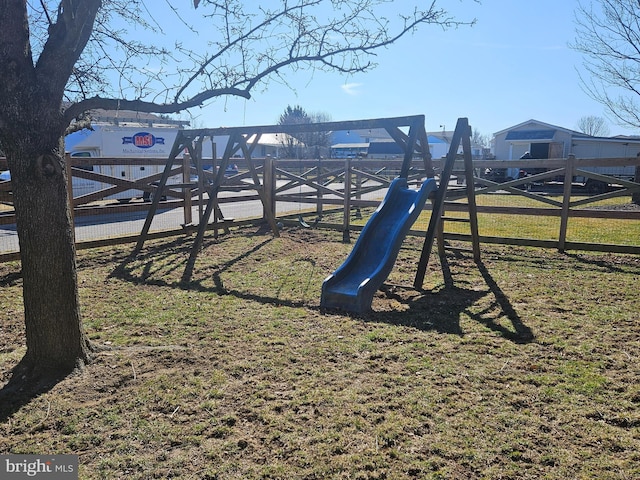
pixel 462 128
pixel 426 154
pixel 69 173
pixel 635 198
pixel 410 147
pixel 319 205
pixel 269 180
pixel 358 187
pixel 347 201
pixel 471 195
pixel 178 146
pixel 186 179
pixel 566 201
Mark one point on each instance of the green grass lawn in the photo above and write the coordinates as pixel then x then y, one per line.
pixel 587 230
pixel 525 367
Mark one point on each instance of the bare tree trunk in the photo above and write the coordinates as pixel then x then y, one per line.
pixel 56 342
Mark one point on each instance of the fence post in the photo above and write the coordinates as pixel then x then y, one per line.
pixel 347 201
pixel 358 187
pixel 269 180
pixel 635 198
pixel 69 173
pixel 319 205
pixel 566 201
pixel 186 191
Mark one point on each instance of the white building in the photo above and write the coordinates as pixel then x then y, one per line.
pixel 543 140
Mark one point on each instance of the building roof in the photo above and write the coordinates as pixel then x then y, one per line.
pixel 540 126
pixel 434 139
pixel 546 134
pixel 617 139
pixel 373 134
pixel 274 139
pixel 627 137
pixel 385 148
pixel 350 145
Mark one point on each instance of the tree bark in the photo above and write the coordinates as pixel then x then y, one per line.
pixel 31 126
pixel 56 341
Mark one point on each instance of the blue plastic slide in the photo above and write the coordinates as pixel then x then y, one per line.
pixel 352 286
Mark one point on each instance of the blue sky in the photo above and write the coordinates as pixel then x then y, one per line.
pixel 513 65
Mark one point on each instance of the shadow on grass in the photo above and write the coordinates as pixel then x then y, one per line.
pixel 604 263
pixel 523 334
pixel 427 310
pixel 441 310
pixel 140 269
pixel 10 279
pixel 25 385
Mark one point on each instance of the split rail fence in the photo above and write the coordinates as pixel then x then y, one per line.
pixel 539 210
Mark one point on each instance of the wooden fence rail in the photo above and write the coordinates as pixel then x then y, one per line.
pixel 558 176
pixel 312 186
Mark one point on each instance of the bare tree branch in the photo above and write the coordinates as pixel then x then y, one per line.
pixel 68 37
pixel 609 38
pixel 246 46
pixel 142 106
pixel 593 125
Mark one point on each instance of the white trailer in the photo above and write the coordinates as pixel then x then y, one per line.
pixel 108 141
pixel 111 141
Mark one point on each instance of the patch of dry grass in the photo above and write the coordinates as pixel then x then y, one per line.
pixel 524 367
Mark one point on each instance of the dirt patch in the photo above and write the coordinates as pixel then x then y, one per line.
pixel 631 207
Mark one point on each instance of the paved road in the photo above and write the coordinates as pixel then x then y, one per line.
pixel 130 223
